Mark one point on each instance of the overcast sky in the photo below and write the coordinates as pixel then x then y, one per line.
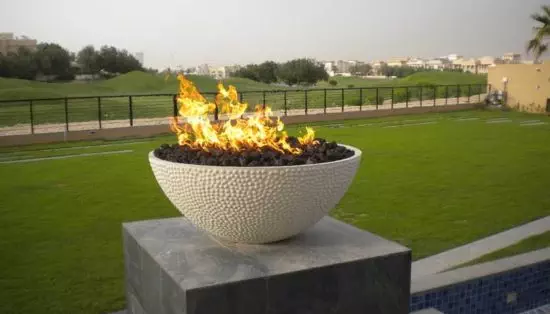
pixel 188 33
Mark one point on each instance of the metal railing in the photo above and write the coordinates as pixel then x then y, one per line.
pixel 45 115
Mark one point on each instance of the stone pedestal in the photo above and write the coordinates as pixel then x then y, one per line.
pixel 171 267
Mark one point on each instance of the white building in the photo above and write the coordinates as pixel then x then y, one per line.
pixel 218 73
pixel 453 57
pixel 416 63
pixel 439 64
pixel 511 57
pixel 329 67
pixel 203 69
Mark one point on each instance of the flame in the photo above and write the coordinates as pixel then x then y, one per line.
pixel 236 134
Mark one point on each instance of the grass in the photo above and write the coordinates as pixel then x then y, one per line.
pixel 533 243
pixel 430 187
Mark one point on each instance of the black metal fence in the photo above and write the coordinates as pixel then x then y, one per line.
pixel 29 116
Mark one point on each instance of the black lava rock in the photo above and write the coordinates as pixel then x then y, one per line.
pixel 321 151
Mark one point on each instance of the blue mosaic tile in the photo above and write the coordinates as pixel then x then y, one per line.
pixel 489 294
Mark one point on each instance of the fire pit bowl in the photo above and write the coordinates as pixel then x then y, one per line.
pixel 255 204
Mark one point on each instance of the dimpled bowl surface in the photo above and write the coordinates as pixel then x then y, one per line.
pixel 255 204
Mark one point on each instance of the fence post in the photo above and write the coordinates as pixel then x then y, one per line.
pixel 285 103
pixel 66 114
pixel 130 111
pixel 325 102
pixel 31 116
pixel 469 92
pixel 457 94
pixel 479 93
pixel 175 105
pixel 99 111
pixel 435 92
pixel 305 98
pixel 420 96
pixel 407 97
pixel 377 98
pixel 342 100
pixel 263 99
pixel 360 99
pixel 446 94
pixel 392 94
pixel 241 97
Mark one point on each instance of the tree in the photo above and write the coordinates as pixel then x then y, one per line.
pixel 301 72
pixel 360 69
pixel 88 59
pixel 539 44
pixel 112 60
pixel 52 59
pixel 22 64
pixel 266 72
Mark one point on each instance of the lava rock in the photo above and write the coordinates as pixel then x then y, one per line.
pixel 319 152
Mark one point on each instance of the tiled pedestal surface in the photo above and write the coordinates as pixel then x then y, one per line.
pixel 171 267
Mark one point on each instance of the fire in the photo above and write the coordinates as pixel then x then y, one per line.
pixel 236 134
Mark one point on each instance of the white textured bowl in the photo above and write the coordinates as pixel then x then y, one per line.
pixel 255 204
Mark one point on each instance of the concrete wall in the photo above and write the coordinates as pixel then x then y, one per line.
pixel 528 85
pixel 148 131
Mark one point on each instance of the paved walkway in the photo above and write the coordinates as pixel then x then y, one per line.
pixel 463 254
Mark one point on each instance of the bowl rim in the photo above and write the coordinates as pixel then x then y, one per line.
pixel 356 155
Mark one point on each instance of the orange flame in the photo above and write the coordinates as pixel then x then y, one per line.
pixel 236 134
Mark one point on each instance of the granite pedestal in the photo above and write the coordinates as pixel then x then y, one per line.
pixel 172 267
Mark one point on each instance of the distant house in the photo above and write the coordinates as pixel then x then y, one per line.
pixel 466 65
pixel 486 62
pixel 511 57
pixel 417 63
pixel 439 64
pixel 398 61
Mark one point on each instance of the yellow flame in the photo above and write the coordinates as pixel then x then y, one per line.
pixel 236 134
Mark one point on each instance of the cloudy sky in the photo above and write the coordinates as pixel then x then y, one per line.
pixel 187 33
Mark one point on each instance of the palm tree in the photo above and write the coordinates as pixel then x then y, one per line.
pixel 539 44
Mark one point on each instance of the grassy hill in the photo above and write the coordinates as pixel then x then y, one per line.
pixel 130 83
pixel 144 83
pixel 421 78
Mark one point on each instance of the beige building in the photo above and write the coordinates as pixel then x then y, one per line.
pixel 486 62
pixel 511 57
pixel 398 61
pixel 467 65
pixel 527 85
pixel 10 43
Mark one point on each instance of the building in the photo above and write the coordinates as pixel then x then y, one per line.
pixel 218 73
pixel 486 62
pixel 10 43
pixel 417 63
pixel 343 66
pixel 466 65
pixel 526 86
pixel 377 66
pixel 329 67
pixel 139 57
pixel 453 57
pixel 511 57
pixel 398 61
pixel 439 64
pixel 230 69
pixel 203 69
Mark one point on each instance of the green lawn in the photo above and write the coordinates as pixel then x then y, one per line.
pixel 430 187
pixel 533 243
